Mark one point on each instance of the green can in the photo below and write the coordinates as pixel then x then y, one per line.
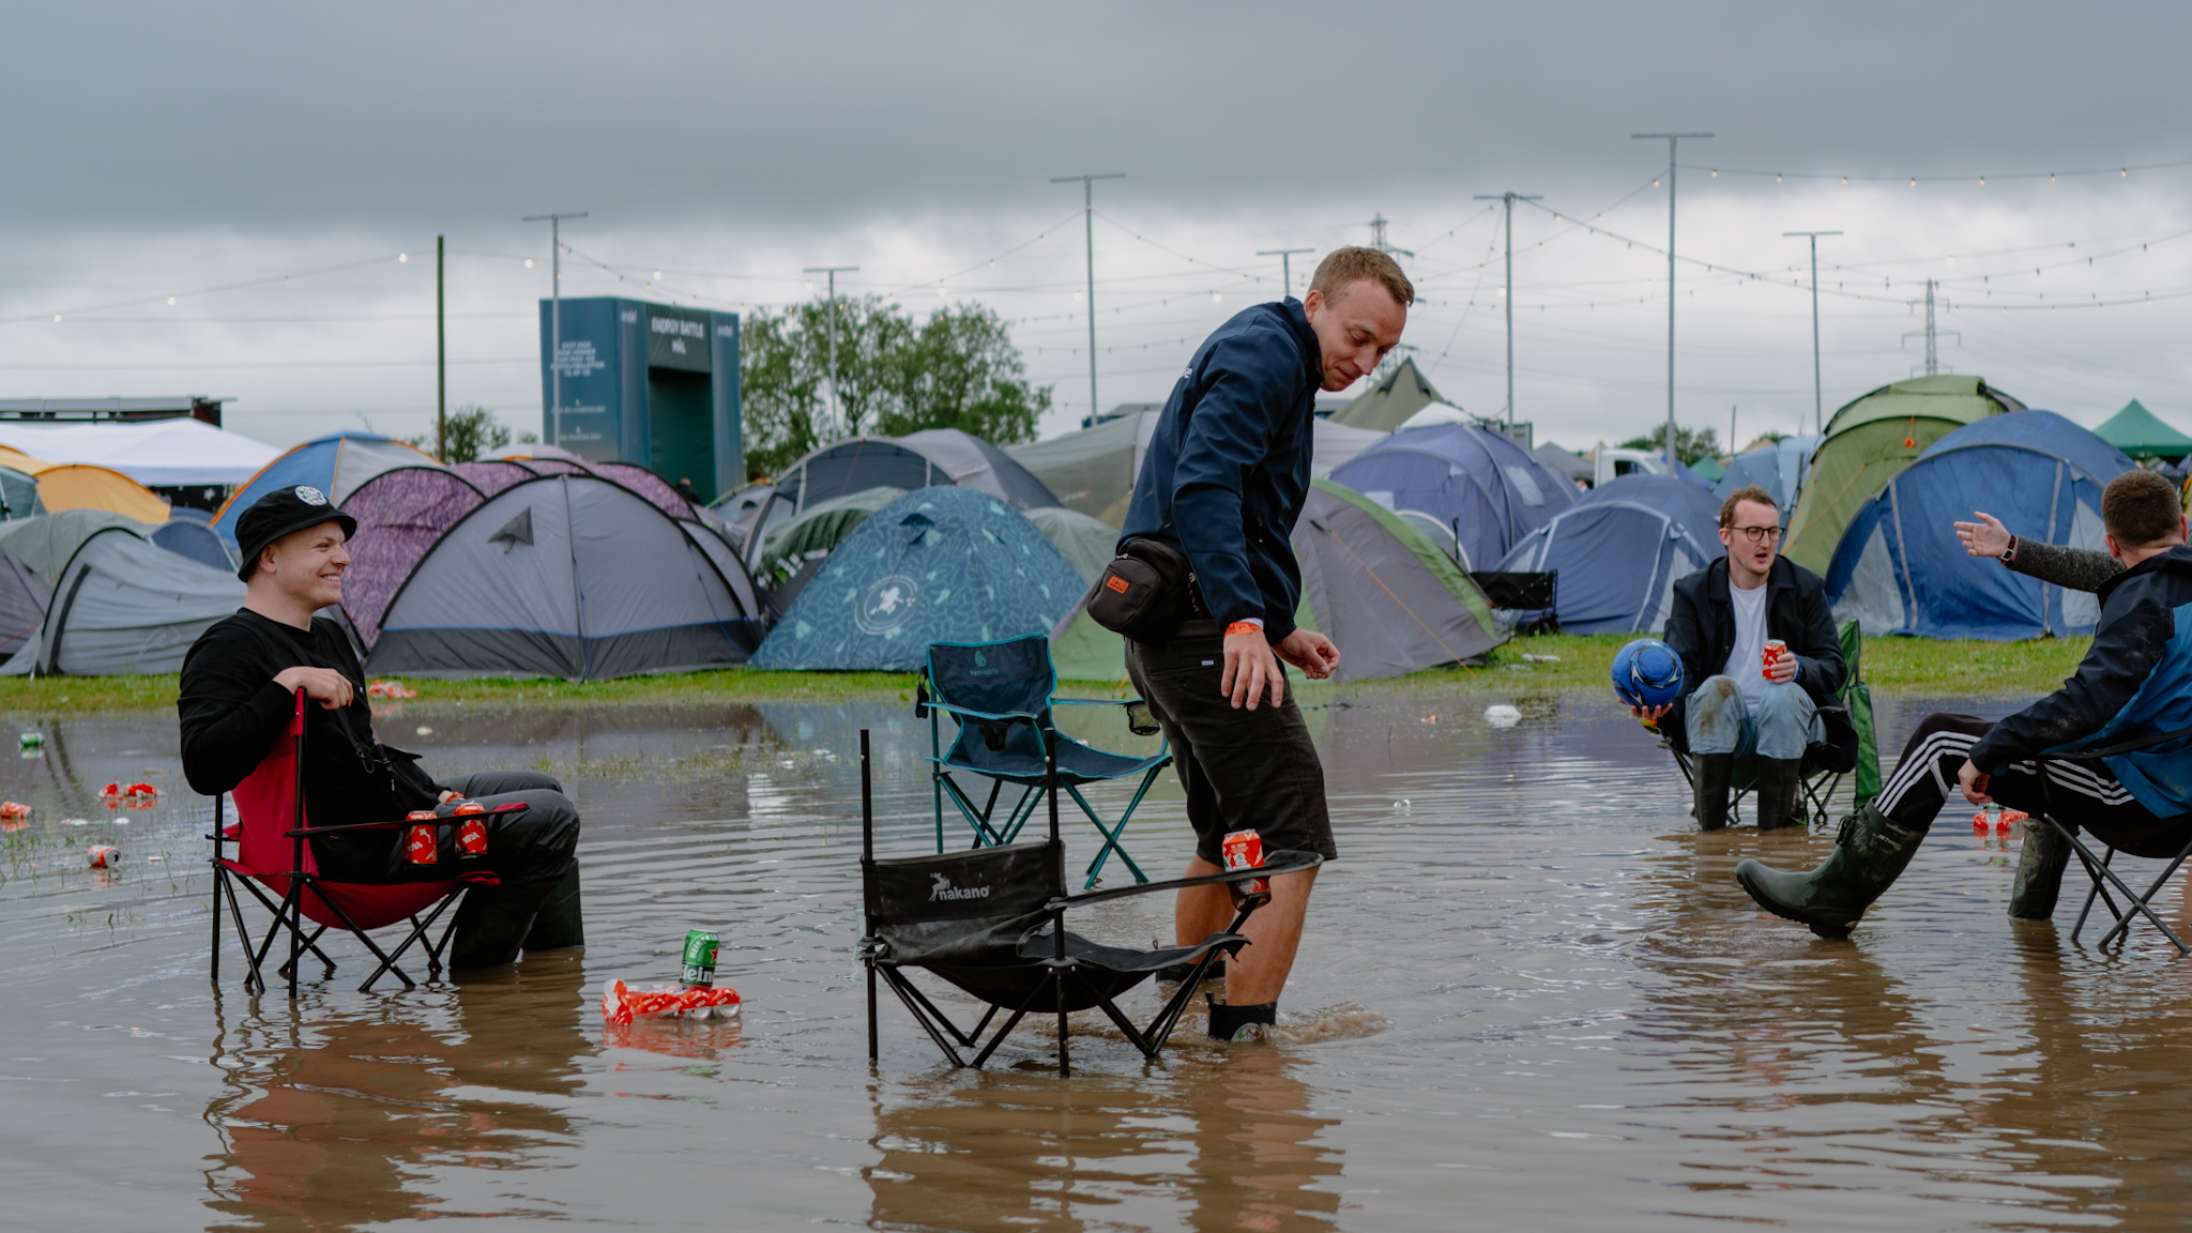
pixel 699 962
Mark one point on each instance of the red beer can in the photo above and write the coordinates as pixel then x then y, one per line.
pixel 419 847
pixel 466 809
pixel 472 837
pixel 1244 850
pixel 1775 649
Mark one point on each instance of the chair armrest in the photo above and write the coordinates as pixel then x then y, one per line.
pixel 1095 701
pixel 993 716
pixel 1278 864
pixel 502 810
pixel 1139 721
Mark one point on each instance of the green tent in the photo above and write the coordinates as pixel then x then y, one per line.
pixel 1391 599
pixel 815 533
pixel 1869 442
pixel 1709 469
pixel 1388 403
pixel 2141 434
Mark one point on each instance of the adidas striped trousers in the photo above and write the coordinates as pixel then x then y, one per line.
pixel 2080 792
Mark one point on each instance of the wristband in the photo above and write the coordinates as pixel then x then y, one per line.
pixel 2010 553
pixel 1243 627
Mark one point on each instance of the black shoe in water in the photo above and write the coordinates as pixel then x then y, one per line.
pixel 1869 854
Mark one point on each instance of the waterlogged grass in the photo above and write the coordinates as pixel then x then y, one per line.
pixel 1526 666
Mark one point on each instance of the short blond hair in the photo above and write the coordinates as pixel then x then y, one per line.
pixel 1343 266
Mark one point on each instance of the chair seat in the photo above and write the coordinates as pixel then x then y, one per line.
pixel 1104 971
pixel 370 905
pixel 1077 763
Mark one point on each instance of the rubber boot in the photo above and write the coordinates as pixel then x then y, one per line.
pixel 560 923
pixel 493 922
pixel 1775 793
pixel 2040 865
pixel 1869 854
pixel 1227 1020
pixel 1709 805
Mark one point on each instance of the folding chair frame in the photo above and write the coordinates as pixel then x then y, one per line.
pixel 2099 869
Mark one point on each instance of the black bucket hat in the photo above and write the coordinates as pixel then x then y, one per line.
pixel 281 512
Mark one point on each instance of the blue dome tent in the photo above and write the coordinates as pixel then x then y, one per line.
pixel 1619 551
pixel 1778 468
pixel 1484 490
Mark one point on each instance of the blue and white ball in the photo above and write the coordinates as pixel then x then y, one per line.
pixel 1647 673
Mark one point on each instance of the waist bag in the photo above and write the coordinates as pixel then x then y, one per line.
pixel 1145 592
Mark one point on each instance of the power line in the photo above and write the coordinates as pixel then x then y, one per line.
pixel 1976 179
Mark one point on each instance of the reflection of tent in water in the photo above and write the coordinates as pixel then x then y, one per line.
pixel 1093 470
pixel 936 565
pixel 1390 400
pixel 1387 594
pixel 2142 434
pixel 1900 569
pixel 1462 479
pixel 23 599
pixel 568 576
pixel 1778 468
pixel 1868 442
pixel 337 465
pixel 1619 551
pixel 122 604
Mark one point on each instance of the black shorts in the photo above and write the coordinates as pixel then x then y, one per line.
pixel 1242 769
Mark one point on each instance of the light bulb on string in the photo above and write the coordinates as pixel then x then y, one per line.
pixel 403 258
pixel 2124 173
pixel 1845 181
pixel 171 301
pixel 528 263
pixel 1655 180
pixel 1914 181
pixel 656 277
pixel 1777 177
pixel 1982 181
pixel 57 318
pixel 1216 296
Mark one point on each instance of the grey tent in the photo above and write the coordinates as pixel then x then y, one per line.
pixel 1575 467
pixel 23 600
pixel 1094 470
pixel 18 495
pixel 121 604
pixel 1390 400
pixel 572 576
pixel 46 543
pixel 814 534
pixel 190 532
pixel 923 459
pixel 1086 543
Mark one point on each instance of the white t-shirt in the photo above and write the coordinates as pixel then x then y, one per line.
pixel 1746 663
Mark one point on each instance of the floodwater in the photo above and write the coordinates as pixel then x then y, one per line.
pixel 1530 997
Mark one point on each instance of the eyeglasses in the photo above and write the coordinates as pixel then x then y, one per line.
pixel 1758 535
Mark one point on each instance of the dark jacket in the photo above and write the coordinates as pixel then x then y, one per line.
pixel 1228 464
pixel 1701 629
pixel 2136 679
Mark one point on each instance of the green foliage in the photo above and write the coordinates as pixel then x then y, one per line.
pixel 470 432
pixel 956 369
pixel 1690 444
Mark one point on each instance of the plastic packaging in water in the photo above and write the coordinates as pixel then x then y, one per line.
pixel 620 1003
pixel 1501 715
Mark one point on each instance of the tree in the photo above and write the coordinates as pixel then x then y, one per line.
pixel 958 369
pixel 1690 444
pixel 469 433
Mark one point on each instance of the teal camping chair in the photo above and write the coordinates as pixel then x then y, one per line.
pixel 999 694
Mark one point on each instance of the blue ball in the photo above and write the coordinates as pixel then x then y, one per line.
pixel 1647 673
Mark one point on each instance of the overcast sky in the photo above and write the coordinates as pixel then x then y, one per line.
pixel 157 150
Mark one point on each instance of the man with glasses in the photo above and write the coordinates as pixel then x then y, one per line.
pixel 1744 710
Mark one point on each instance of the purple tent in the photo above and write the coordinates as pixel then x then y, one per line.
pixel 649 485
pixel 492 475
pixel 1487 492
pixel 401 515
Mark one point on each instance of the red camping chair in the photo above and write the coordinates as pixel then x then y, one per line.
pixel 270 835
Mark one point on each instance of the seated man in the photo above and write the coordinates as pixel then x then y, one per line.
pixel 235 703
pixel 2136 678
pixel 1743 710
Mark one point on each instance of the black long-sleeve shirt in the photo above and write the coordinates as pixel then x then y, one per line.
pixel 232 713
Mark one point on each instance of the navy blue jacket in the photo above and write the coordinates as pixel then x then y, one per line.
pixel 2135 680
pixel 1701 629
pixel 1229 464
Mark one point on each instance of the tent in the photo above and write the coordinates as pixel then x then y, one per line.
pixel 1390 400
pixel 1389 595
pixel 1619 550
pixel 1778 468
pixel 570 576
pixel 1709 470
pixel 190 532
pixel 46 543
pixel 1868 442
pixel 491 476
pixel 18 494
pixel 1900 569
pixel 918 460
pixel 78 485
pixel 336 465
pixel 170 453
pixel 646 483
pixel 123 605
pixel 1094 470
pixel 402 513
pixel 936 565
pixel 23 600
pixel 2141 434
pixel 1088 544
pixel 1482 485
pixel 1574 466
pixel 817 533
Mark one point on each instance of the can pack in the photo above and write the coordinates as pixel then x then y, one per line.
pixel 699 961
pixel 1244 850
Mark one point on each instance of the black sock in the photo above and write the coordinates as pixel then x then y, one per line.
pixel 1227 1019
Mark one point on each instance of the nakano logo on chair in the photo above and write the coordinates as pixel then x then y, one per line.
pixel 940 887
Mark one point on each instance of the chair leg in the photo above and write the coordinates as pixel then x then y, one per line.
pixel 907 993
pixel 252 981
pixel 1030 798
pixel 1111 835
pixel 2123 926
pixel 2098 888
pixel 218 874
pixel 258 959
pixel 267 902
pixel 978 819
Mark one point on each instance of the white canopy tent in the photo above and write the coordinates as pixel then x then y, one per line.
pixel 171 453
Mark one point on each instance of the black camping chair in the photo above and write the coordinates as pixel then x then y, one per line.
pixel 2100 869
pixel 1000 696
pixel 991 921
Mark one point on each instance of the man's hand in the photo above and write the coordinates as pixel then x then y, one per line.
pixel 1783 670
pixel 1251 669
pixel 1311 652
pixel 329 688
pixel 1974 783
pixel 1984 538
pixel 449 795
pixel 1652 715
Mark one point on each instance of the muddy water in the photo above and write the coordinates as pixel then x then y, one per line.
pixel 1529 998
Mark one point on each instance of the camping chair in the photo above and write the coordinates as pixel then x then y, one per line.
pixel 2100 869
pixel 991 922
pixel 1851 751
pixel 1000 695
pixel 273 859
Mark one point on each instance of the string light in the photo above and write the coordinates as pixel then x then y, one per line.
pixel 171 301
pixel 528 263
pixel 403 258
pixel 657 276
pixel 1777 177
pixel 1914 181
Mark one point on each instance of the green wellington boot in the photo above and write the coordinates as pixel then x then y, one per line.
pixel 1775 793
pixel 1869 854
pixel 1709 799
pixel 2040 865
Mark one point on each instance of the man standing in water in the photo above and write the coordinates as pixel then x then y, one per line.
pixel 1223 482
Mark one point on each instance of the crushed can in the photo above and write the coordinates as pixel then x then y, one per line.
pixel 699 960
pixel 1244 850
pixel 105 856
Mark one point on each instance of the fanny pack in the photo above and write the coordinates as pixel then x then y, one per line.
pixel 1145 592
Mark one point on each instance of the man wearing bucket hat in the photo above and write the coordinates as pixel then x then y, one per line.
pixel 235 702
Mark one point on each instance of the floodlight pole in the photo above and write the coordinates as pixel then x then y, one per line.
pixel 1088 208
pixel 1286 266
pixel 441 357
pixel 555 317
pixel 1510 197
pixel 1673 140
pixel 1817 403
pixel 832 271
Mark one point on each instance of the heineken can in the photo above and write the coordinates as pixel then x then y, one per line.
pixel 699 965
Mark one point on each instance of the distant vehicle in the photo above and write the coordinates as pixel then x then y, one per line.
pixel 1612 464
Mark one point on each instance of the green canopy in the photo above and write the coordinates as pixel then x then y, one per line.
pixel 1388 403
pixel 2141 434
pixel 1709 470
pixel 1869 442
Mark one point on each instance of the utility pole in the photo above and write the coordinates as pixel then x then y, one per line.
pixel 441 358
pixel 1088 230
pixel 1286 266
pixel 1378 223
pixel 1933 357
pixel 555 317
pixel 1817 411
pixel 1673 140
pixel 836 410
pixel 1510 197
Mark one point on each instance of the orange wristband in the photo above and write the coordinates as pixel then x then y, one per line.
pixel 1243 627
